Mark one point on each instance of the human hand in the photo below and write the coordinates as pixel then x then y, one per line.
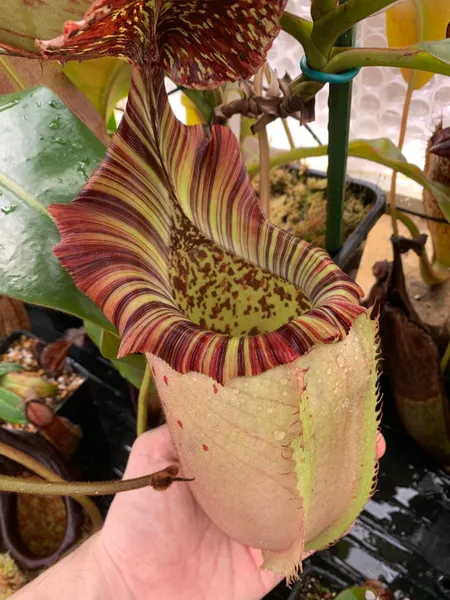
pixel 162 546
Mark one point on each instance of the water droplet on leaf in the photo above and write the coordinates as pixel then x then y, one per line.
pixel 6 210
pixel 54 124
pixel 82 168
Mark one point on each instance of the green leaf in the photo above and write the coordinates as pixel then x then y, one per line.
pixel 205 101
pixel 46 156
pixel 382 151
pixel 433 57
pixel 20 73
pixel 385 152
pixel 11 407
pixel 109 344
pixel 104 81
pixel 8 367
pixel 359 593
pixel 131 367
pixel 415 21
pixel 439 50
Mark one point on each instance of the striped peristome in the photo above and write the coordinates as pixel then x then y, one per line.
pixel 163 193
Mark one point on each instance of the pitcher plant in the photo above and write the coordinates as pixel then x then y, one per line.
pixel 264 360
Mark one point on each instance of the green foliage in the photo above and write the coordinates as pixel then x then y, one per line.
pixel 205 101
pixel 104 81
pixel 382 151
pixel 8 367
pixel 46 156
pixel 359 593
pixel 132 367
pixel 11 407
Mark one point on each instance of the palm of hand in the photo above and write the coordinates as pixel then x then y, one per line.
pixel 164 546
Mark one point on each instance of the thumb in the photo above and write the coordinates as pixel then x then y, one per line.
pixel 151 452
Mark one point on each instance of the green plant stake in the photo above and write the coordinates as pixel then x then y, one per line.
pixel 339 104
pixel 338 128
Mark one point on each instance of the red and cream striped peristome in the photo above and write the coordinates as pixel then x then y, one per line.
pixel 264 360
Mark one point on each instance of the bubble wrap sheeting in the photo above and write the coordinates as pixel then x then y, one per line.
pixel 378 95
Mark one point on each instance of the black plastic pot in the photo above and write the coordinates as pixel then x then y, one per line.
pixel 348 258
pixel 91 460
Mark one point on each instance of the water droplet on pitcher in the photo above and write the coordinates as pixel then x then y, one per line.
pixel 9 104
pixel 340 361
pixel 329 370
pixel 279 435
pixel 283 382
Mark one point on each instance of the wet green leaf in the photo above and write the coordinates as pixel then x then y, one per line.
pixel 46 156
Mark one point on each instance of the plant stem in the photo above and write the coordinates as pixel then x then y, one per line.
pixel 288 131
pixel 445 360
pixel 264 154
pixel 143 399
pixel 79 488
pixel 35 466
pixel 57 486
pixel 340 101
pixel 289 156
pixel 305 88
pixel 401 58
pixel 301 30
pixel 320 8
pixel 327 29
pixel 12 74
pixel 401 142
